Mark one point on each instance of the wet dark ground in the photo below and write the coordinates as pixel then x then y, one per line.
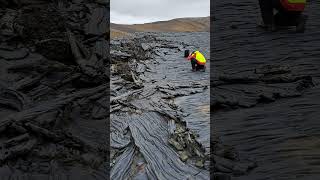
pixel 54 90
pixel 177 70
pixel 171 93
pixel 271 117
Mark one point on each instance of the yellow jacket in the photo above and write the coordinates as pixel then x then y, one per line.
pixel 199 57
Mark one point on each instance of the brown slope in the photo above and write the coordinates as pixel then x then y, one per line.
pixel 114 33
pixel 201 24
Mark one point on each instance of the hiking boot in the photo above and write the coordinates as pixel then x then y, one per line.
pixel 300 28
pixel 271 28
pixel 261 24
pixel 268 27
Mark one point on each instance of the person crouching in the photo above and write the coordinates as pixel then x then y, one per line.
pixel 198 61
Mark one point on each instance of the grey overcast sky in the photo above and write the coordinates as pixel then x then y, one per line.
pixel 144 11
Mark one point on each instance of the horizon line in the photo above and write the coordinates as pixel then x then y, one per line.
pixel 158 21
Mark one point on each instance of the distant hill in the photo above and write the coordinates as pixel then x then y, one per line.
pixel 198 24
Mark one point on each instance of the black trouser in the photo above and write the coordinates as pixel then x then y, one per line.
pixel 195 65
pixel 282 18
